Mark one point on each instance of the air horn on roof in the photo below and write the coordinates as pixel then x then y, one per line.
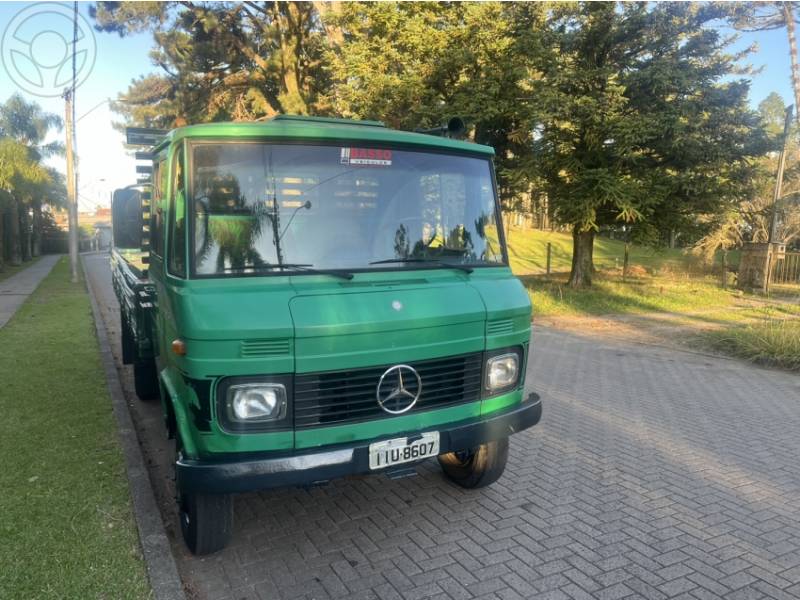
pixel 454 128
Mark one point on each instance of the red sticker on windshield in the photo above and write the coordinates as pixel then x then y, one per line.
pixel 371 157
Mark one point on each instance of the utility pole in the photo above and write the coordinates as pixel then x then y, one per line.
pixel 776 196
pixel 72 191
pixel 72 176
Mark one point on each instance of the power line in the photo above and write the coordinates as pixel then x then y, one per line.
pixel 96 106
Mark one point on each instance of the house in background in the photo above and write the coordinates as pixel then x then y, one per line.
pixel 94 227
pixel 102 235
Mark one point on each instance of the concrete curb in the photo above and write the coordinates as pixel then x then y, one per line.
pixel 161 568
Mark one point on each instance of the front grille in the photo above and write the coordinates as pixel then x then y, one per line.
pixel 338 397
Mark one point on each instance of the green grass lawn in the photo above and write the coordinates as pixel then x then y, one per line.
pixel 610 295
pixel 527 250
pixel 764 330
pixel 661 282
pixel 8 270
pixel 66 525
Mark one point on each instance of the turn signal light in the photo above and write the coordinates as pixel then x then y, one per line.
pixel 179 347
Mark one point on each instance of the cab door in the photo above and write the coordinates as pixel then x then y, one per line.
pixel 174 257
pixel 157 244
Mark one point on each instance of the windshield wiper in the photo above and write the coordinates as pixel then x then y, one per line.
pixel 433 261
pixel 291 267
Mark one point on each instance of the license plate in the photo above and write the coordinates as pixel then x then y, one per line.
pixel 403 450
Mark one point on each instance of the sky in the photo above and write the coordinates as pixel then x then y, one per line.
pixel 108 64
pixel 104 164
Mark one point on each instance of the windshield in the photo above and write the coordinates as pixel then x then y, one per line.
pixel 258 206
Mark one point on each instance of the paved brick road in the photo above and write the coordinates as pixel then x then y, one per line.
pixel 654 474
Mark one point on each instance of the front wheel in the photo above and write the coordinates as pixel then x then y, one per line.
pixel 206 521
pixel 476 467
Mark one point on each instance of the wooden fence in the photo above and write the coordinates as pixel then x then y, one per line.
pixel 787 268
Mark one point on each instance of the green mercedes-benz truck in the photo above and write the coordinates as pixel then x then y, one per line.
pixel 313 298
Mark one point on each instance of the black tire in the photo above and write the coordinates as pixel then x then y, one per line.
pixel 145 379
pixel 206 521
pixel 477 467
pixel 128 344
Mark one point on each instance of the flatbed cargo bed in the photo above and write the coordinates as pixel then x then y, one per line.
pixel 135 293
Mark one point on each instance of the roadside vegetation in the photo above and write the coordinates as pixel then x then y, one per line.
pixel 65 515
pixel 773 342
pixel 29 189
pixel 666 293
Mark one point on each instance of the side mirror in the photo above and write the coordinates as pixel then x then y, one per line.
pixel 126 217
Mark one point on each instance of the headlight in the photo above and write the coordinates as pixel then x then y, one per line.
pixel 255 402
pixel 502 371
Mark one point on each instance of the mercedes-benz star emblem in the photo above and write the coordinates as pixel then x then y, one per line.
pixel 399 389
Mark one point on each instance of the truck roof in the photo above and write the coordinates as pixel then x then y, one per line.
pixel 291 127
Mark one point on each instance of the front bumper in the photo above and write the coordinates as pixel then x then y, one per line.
pixel 256 473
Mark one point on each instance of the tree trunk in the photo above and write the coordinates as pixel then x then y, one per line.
pixel 328 11
pixel 36 243
pixel 789 17
pixel 544 212
pixel 15 254
pixel 289 20
pixel 582 267
pixel 2 237
pixel 25 233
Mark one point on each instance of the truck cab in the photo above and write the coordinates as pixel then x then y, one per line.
pixel 320 298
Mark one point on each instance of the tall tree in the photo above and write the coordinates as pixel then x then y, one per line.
pixel 417 64
pixel 749 220
pixel 24 128
pixel 19 176
pixel 641 126
pixel 221 60
pixel 622 113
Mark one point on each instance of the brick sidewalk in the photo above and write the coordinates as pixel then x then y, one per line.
pixel 654 474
